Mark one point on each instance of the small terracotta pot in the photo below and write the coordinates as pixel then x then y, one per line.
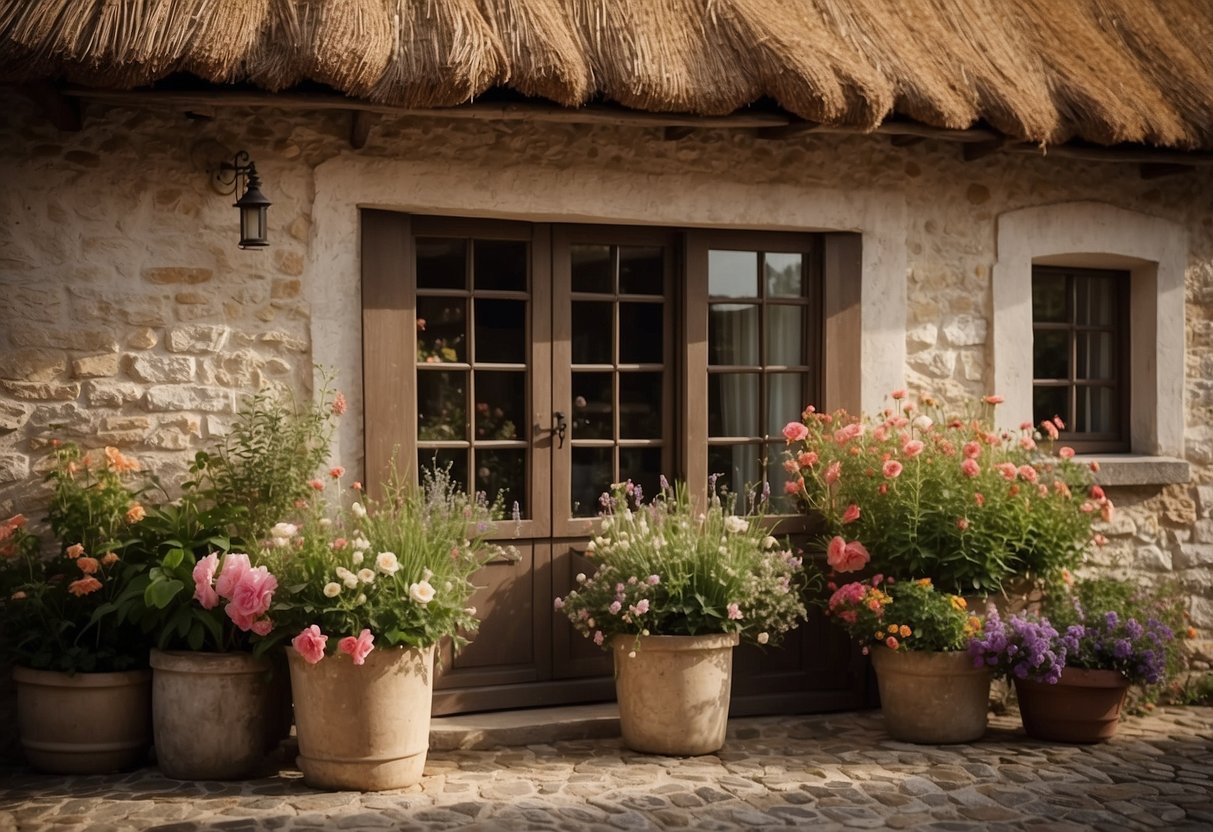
pixel 932 697
pixel 1084 707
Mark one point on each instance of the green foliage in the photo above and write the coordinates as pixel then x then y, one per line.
pixel 664 570
pixel 904 615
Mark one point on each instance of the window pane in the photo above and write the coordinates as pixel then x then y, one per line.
pixel 593 473
pixel 733 404
pixel 733 274
pixel 1096 355
pixel 785 335
pixel 502 472
pixel 778 478
pixel 641 337
pixel 1049 298
pixel 1095 300
pixel 640 406
pixel 1048 402
pixel 643 467
pixel 736 467
pixel 593 341
pixel 785 275
pixel 785 400
pixel 592 269
pixel 733 334
pixel 1098 410
pixel 441 330
pixel 500 405
pixel 641 270
pixel 501 331
pixel 441 263
pixel 456 458
pixel 441 406
pixel 593 408
pixel 501 264
pixel 1050 355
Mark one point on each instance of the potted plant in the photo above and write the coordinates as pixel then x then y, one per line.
pixel 946 496
pixel 364 599
pixel 80 660
pixel 930 692
pixel 1071 682
pixel 674 592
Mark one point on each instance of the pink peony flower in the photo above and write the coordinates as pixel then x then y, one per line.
pixel 359 647
pixel 234 566
pixel 808 459
pixel 310 644
pixel 970 468
pixel 1050 429
pixel 794 486
pixel 642 606
pixel 972 450
pixel 1028 473
pixel 734 612
pixel 912 448
pixel 1027 443
pixel 251 597
pixel 851 514
pixel 892 469
pixel 846 434
pixel 1065 452
pixel 795 431
pixel 1008 470
pixel 833 472
pixel 846 557
pixel 204 577
pixel 337 472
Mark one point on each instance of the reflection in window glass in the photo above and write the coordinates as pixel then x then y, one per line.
pixel 733 334
pixel 733 274
pixel 641 270
pixel 785 274
pixel 733 402
pixel 592 269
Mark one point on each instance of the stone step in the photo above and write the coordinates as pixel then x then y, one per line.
pixel 532 726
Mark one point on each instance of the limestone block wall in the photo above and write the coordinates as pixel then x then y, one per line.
pixel 129 317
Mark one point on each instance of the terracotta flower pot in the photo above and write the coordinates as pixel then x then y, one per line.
pixel 1083 707
pixel 930 697
pixel 365 727
pixel 87 723
pixel 674 692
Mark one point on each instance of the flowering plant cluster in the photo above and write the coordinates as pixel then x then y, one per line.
pixel 1023 647
pixel 78 611
pixel 663 569
pixel 902 615
pixel 385 573
pixel 946 497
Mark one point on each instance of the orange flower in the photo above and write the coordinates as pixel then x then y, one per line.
pixel 906 632
pixel 135 513
pixel 1192 632
pixel 119 462
pixel 893 628
pixel 75 550
pixel 88 566
pixel 109 558
pixel 84 586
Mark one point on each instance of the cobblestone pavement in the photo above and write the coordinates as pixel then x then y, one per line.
pixel 823 771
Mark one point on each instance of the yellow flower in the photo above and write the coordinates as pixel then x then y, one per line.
pixel 923 582
pixel 958 602
pixel 893 629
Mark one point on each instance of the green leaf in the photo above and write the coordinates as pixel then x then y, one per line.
pixel 173 557
pixel 196 636
pixel 160 593
pixel 220 542
pixel 212 626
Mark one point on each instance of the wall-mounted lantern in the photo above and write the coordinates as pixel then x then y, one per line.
pixel 254 207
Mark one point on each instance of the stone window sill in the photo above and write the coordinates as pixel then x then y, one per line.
pixel 1133 469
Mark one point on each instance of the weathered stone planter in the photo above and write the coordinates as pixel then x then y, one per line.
pixel 1083 707
pixel 365 728
pixel 674 692
pixel 930 697
pixel 89 723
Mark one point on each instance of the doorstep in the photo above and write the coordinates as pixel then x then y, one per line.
pixel 532 726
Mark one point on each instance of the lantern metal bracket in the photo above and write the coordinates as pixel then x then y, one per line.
pixel 229 176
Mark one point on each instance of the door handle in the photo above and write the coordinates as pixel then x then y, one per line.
pixel 559 427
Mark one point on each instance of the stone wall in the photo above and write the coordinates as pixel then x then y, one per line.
pixel 129 317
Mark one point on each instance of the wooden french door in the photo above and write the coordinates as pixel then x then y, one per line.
pixel 543 363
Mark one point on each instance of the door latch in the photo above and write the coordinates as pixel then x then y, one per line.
pixel 559 427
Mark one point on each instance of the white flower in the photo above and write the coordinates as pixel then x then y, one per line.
pixel 763 638
pixel 325 522
pixel 347 577
pixel 580 577
pixel 358 510
pixel 360 543
pixel 591 546
pixel 426 574
pixel 357 557
pixel 387 563
pixel 421 592
pixel 366 575
pixel 923 423
pixel 332 589
pixel 769 542
pixel 361 599
pixel 470 610
pixel 283 531
pixel 735 524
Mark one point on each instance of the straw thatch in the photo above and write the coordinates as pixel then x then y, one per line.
pixel 1106 71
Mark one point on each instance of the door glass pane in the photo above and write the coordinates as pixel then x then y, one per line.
pixel 441 263
pixel 592 270
pixel 1048 402
pixel 1097 410
pixel 777 478
pixel 785 335
pixel 441 406
pixel 1050 355
pixel 640 405
pixel 1096 355
pixel 641 339
pixel 501 331
pixel 733 404
pixel 593 473
pixel 732 334
pixel 441 330
pixel 500 405
pixel 1049 298
pixel 455 458
pixel 643 467
pixel 733 274
pixel 593 411
pixel 593 341
pixel 785 400
pixel 784 275
pixel 736 467
pixel 1094 301
pixel 502 471
pixel 500 264
pixel 641 270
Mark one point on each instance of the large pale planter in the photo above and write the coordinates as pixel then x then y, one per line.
pixel 931 697
pixel 1083 707
pixel 364 728
pixel 673 692
pixel 87 723
pixel 213 714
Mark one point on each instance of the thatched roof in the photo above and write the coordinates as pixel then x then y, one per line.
pixel 1105 71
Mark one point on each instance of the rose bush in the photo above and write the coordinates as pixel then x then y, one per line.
pixel 902 615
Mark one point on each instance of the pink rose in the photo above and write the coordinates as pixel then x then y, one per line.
pixel 795 431
pixel 262 626
pixel 807 459
pixel 1065 452
pixel 1028 473
pixel 359 647
pixel 833 472
pixel 912 448
pixel 972 450
pixel 846 557
pixel 892 469
pixel 234 567
pixel 204 576
pixel 970 468
pixel 734 612
pixel 251 597
pixel 310 644
pixel 851 514
pixel 846 434
pixel 1007 469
